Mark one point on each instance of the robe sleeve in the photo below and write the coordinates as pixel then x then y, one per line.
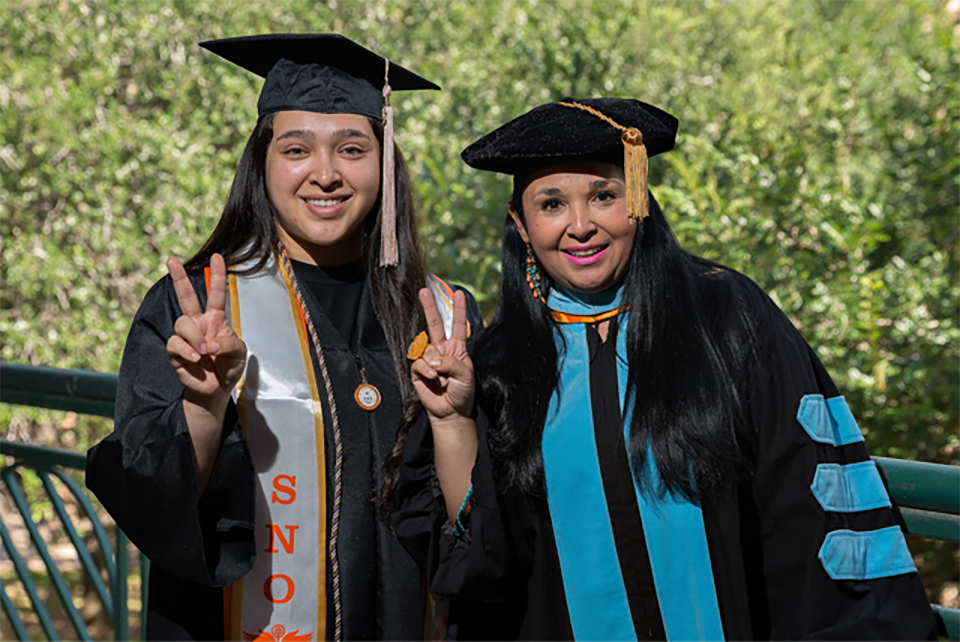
pixel 835 562
pixel 474 318
pixel 473 563
pixel 144 472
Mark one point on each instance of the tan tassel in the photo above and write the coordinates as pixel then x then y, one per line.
pixel 388 221
pixel 635 171
pixel 634 163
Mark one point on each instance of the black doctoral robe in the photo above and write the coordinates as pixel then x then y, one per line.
pixel 505 577
pixel 144 473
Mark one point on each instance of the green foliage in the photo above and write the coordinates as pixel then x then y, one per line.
pixel 818 154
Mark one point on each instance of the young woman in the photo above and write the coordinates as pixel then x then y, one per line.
pixel 263 381
pixel 650 450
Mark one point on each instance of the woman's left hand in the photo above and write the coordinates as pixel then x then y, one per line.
pixel 443 375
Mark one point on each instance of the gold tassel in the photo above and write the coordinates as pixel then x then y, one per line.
pixel 635 172
pixel 634 163
pixel 389 255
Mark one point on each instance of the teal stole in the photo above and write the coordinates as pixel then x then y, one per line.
pixel 673 527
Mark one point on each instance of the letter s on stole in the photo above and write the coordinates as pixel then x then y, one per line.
pixel 289 491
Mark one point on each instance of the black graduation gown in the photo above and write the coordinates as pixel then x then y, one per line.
pixel 144 474
pixel 504 573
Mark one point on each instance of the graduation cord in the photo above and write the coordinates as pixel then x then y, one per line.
pixel 338 448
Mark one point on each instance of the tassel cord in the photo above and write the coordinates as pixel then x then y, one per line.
pixel 635 163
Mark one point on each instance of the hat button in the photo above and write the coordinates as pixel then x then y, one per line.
pixel 632 136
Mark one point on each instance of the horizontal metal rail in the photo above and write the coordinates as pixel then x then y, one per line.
pixel 926 496
pixel 82 391
pixel 43 455
pixel 917 484
pixel 949 621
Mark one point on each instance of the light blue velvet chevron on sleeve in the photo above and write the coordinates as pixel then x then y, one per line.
pixel 852 555
pixel 828 421
pixel 849 488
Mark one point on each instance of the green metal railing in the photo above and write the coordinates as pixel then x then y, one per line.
pixel 83 392
pixel 926 496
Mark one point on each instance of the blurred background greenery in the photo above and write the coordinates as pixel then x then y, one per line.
pixel 819 154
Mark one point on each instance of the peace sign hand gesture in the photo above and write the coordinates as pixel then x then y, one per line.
pixel 443 375
pixel 207 355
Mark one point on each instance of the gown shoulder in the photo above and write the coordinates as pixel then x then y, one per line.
pixel 144 471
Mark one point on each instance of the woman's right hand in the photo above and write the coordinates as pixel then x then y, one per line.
pixel 207 355
pixel 443 375
pixel 444 381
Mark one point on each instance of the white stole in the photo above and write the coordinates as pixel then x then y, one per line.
pixel 283 597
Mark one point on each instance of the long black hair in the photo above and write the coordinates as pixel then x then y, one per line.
pixel 690 334
pixel 247 231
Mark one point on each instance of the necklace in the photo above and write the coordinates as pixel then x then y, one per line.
pixel 366 395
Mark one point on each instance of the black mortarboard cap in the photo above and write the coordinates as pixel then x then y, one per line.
pixel 619 131
pixel 328 74
pixel 325 73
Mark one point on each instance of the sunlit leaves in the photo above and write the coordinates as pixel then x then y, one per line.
pixel 818 154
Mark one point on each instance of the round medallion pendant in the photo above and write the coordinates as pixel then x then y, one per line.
pixel 367 396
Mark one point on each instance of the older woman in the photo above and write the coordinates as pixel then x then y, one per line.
pixel 254 408
pixel 641 445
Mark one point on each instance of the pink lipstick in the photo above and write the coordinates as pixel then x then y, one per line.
pixel 586 254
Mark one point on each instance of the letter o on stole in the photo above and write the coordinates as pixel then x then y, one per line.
pixel 268 588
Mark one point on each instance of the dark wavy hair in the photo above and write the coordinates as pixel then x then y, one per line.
pixel 247 231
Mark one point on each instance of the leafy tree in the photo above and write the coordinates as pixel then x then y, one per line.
pixel 818 154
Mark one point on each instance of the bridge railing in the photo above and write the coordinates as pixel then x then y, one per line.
pixel 926 499
pixel 50 599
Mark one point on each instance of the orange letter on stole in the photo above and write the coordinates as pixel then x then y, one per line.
pixel 290 491
pixel 268 588
pixel 287 544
